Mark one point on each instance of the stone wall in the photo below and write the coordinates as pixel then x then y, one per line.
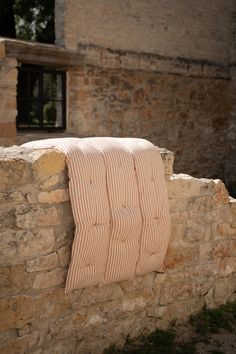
pixel 190 29
pixel 8 81
pixel 183 106
pixel 174 57
pixel 36 236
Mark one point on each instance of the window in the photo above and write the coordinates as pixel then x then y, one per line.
pixel 41 101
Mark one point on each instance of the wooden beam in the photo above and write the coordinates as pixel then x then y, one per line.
pixel 44 54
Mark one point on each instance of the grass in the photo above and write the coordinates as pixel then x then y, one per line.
pixel 204 324
pixel 158 342
pixel 210 321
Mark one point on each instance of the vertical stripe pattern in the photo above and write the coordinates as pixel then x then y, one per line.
pixel 120 208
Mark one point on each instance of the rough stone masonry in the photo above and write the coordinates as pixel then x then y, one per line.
pixel 36 317
pixel 159 70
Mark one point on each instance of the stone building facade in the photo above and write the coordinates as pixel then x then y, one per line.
pixel 163 71
pixel 160 71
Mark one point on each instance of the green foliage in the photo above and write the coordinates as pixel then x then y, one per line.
pixel 158 342
pixel 210 321
pixel 28 20
pixel 35 21
pixel 186 348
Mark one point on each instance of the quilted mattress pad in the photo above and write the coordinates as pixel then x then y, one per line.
pixel 120 208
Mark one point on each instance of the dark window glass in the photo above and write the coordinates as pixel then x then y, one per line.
pixel 41 101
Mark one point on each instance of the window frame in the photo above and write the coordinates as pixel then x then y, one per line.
pixel 41 70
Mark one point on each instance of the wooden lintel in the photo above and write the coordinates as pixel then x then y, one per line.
pixel 38 53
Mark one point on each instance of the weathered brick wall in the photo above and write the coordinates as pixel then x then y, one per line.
pixel 190 29
pixel 36 235
pixel 183 107
pixel 8 81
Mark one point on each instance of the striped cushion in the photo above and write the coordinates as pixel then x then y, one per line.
pixel 120 207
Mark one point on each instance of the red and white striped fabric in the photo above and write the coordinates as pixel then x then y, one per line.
pixel 120 208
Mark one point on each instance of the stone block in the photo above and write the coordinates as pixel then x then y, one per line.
pixel 33 244
pixel 221 195
pixel 222 248
pixel 223 289
pixel 7 336
pixel 97 295
pixel 49 279
pixel 180 254
pixel 63 234
pixel 49 182
pixel 180 205
pixel 205 250
pixel 227 266
pixel 18 310
pixel 183 186
pixel 12 197
pixel 8 246
pixel 13 174
pixel 200 206
pixel 217 249
pixel 179 217
pixel 2 49
pixel 168 160
pixel 179 312
pixel 29 218
pixel 64 255
pixel 223 229
pixel 67 346
pixel 48 163
pixel 7 217
pixel 197 232
pixel 40 264
pixel 14 279
pixel 232 203
pixel 8 129
pixel 176 291
pixel 68 325
pixel 137 301
pixel 55 196
pixel 12 76
pixel 138 283
pixel 178 232
pixel 21 344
